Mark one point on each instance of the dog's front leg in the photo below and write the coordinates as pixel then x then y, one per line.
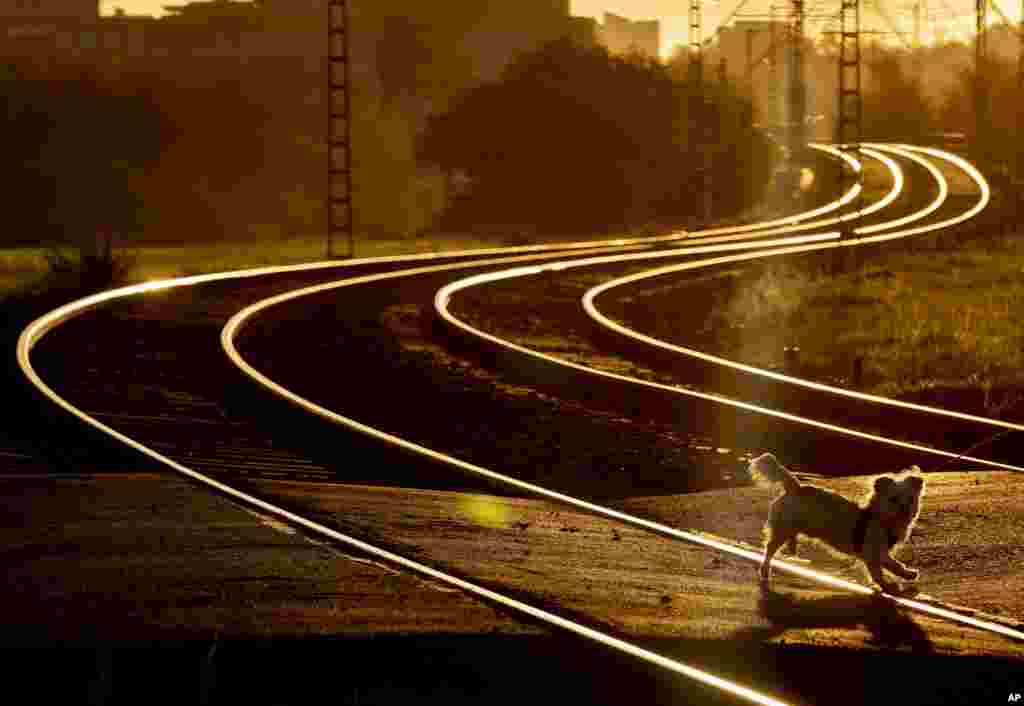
pixel 898 568
pixel 775 542
pixel 873 556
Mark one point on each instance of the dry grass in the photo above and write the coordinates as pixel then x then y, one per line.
pixel 935 318
pixel 24 267
pixel 20 268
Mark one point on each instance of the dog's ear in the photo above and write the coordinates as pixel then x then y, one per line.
pixel 883 483
pixel 917 482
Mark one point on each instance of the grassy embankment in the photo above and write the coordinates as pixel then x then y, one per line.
pixel 925 323
pixel 27 268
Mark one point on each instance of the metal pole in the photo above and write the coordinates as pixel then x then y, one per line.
pixel 701 128
pixel 749 73
pixel 774 112
pixel 797 103
pixel 340 214
pixel 849 118
pixel 980 82
pixel 1020 92
pixel 696 51
pixel 918 61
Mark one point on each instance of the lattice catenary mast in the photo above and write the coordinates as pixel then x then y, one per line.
pixel 1020 92
pixel 797 93
pixel 981 121
pixel 849 118
pixel 339 205
pixel 701 134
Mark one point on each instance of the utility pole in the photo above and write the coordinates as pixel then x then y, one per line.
pixel 849 118
pixel 1020 91
pixel 981 121
pixel 696 63
pixel 701 128
pixel 918 61
pixel 749 72
pixel 774 113
pixel 797 94
pixel 340 219
pixel 917 10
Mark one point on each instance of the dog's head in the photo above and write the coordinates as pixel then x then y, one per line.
pixel 898 499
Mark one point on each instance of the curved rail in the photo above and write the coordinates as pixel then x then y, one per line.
pixel 442 299
pixel 38 329
pixel 595 313
pixel 794 224
pixel 235 325
pixel 852 193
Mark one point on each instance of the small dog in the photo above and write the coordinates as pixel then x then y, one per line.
pixel 869 532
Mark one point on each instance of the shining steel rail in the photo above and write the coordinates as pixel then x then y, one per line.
pixel 443 297
pixel 235 325
pixel 594 312
pixel 38 329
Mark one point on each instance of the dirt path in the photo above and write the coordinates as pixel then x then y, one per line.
pixel 128 559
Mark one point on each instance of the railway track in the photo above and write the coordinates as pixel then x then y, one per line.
pixel 857 405
pixel 236 457
pixel 790 409
pixel 442 298
pixel 204 415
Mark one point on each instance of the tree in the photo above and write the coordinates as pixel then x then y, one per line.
pixel 574 139
pixel 76 149
pixel 894 104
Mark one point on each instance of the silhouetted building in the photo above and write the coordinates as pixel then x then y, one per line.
pixel 750 46
pixel 755 54
pixel 247 30
pixel 500 29
pixel 52 10
pixel 42 27
pixel 622 36
pixel 585 31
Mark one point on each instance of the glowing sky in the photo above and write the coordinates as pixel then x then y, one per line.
pixel 956 17
pixel 672 13
pixel 136 7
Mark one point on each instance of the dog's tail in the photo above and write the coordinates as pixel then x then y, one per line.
pixel 767 467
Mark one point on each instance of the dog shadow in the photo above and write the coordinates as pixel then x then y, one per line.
pixel 887 625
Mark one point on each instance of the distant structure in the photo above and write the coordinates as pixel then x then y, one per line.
pixel 585 31
pixel 747 44
pixel 245 30
pixel 49 10
pixel 26 28
pixel 623 36
pixel 511 27
pixel 754 55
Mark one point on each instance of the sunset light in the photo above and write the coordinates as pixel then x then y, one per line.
pixel 490 351
pixel 949 20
